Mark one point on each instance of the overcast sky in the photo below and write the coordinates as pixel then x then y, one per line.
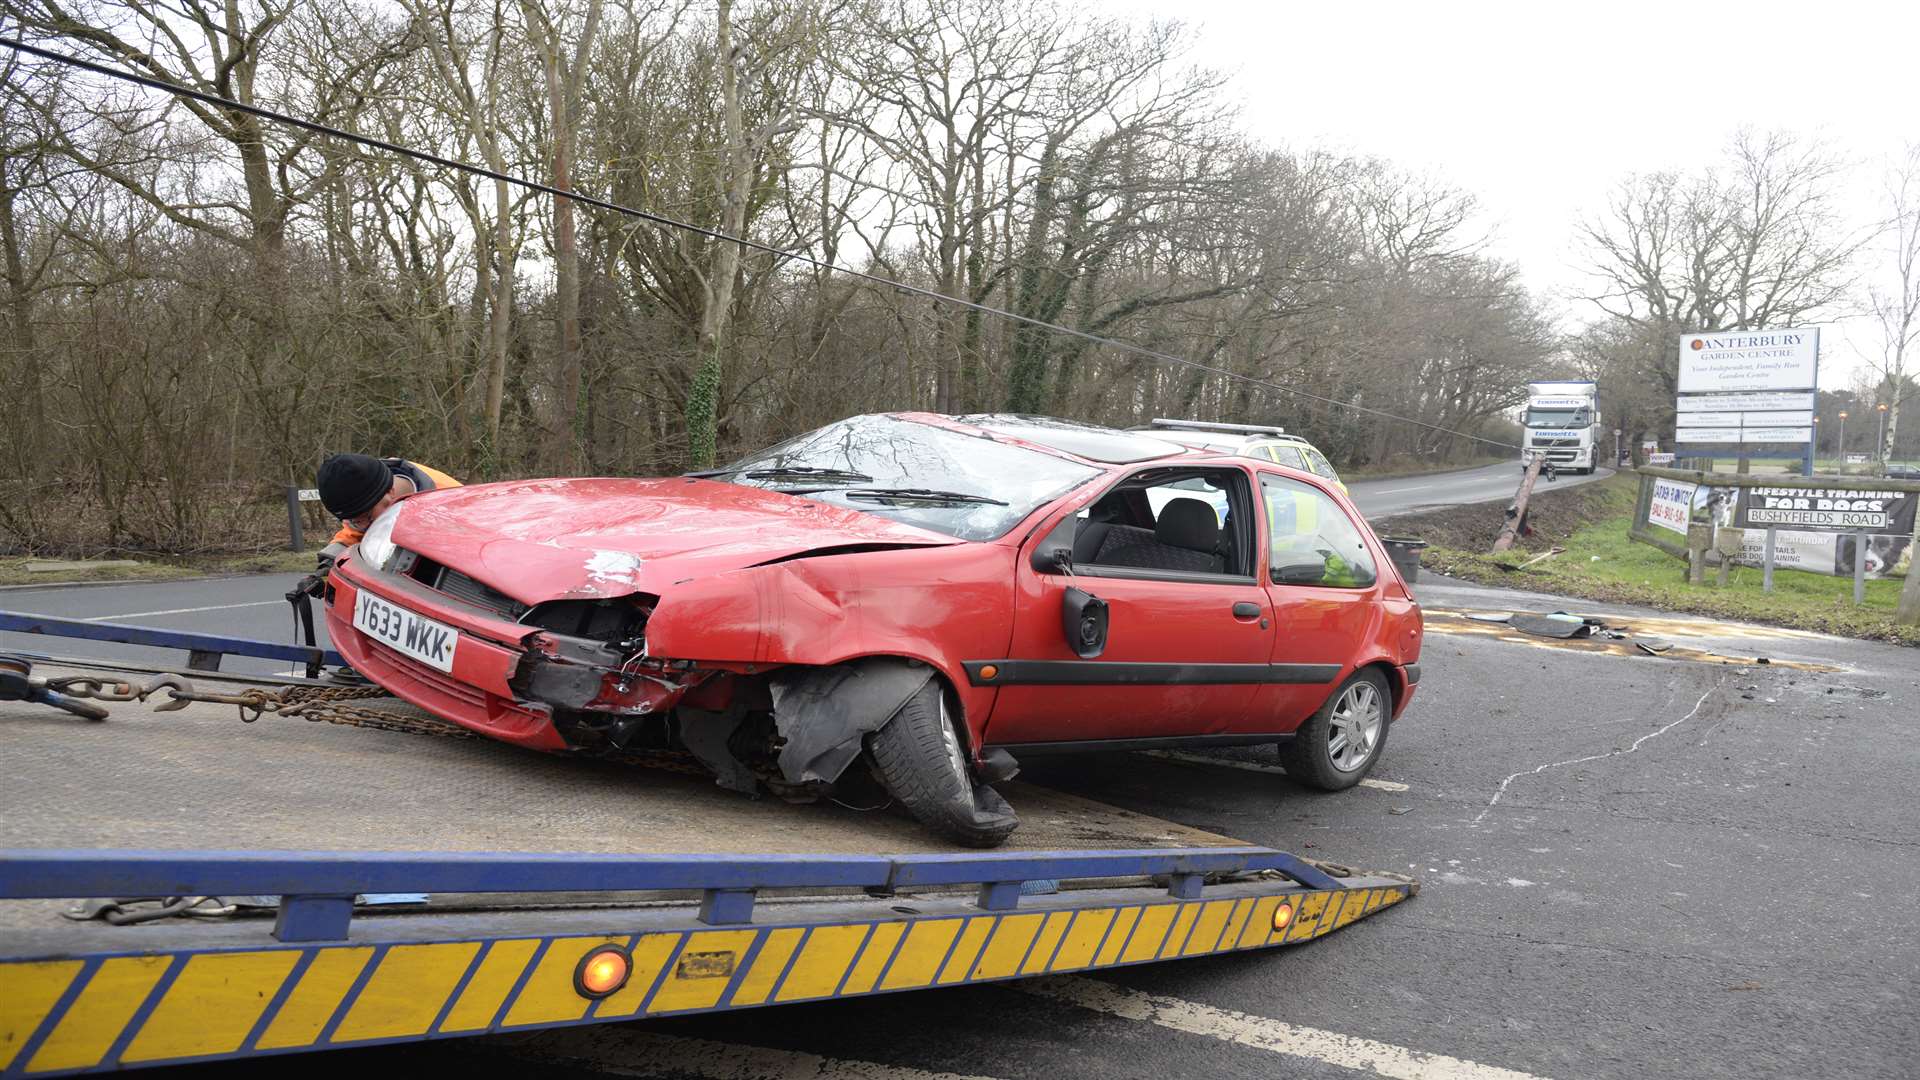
pixel 1540 108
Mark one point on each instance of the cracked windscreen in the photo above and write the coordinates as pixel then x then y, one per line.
pixel 962 485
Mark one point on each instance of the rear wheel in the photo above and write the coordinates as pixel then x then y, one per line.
pixel 1338 745
pixel 918 758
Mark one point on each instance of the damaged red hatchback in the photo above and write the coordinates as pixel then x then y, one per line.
pixel 935 594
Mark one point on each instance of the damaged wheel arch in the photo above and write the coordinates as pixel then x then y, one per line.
pixel 905 713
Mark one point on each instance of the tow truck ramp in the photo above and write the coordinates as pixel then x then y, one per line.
pixel 642 893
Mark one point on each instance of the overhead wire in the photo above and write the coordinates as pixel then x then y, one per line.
pixel 216 100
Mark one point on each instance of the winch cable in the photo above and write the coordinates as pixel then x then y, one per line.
pixel 715 234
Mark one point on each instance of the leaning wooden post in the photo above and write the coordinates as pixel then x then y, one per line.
pixel 1517 512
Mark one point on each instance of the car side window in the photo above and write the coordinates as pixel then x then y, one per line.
pixel 1317 462
pixel 1288 456
pixel 1199 519
pixel 1313 541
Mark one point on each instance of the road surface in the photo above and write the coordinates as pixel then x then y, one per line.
pixel 1632 866
pixel 1379 499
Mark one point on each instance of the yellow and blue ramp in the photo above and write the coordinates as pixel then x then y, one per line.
pixel 750 933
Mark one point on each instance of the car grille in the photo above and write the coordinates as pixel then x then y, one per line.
pixel 464 588
pixel 1556 442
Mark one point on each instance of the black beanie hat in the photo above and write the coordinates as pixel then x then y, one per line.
pixel 351 483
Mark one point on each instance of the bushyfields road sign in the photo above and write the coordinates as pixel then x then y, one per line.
pixel 1856 510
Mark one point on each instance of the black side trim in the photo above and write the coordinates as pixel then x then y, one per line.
pixel 1112 672
pixel 1413 673
pixel 1142 573
pixel 1169 742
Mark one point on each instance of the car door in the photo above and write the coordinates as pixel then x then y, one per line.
pixel 1186 649
pixel 1324 581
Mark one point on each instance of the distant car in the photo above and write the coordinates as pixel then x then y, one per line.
pixel 1250 440
pixel 931 594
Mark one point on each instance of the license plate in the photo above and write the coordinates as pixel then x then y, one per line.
pixel 417 636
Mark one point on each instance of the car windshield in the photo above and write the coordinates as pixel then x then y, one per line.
pixel 1566 418
pixel 966 486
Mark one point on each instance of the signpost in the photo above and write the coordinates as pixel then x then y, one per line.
pixel 1748 387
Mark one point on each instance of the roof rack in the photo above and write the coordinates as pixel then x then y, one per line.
pixel 1209 425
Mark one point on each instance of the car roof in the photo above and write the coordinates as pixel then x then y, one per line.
pixel 1221 442
pixel 1089 442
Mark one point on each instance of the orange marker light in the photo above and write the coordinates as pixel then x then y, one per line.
pixel 988 671
pixel 1282 916
pixel 602 971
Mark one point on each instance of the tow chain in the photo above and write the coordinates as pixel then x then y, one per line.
pixel 327 704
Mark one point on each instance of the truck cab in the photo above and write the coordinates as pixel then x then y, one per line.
pixel 1562 419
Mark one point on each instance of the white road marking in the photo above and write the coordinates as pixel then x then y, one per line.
pixel 182 611
pixel 1491 803
pixel 1262 1033
pixel 1254 766
pixel 622 1051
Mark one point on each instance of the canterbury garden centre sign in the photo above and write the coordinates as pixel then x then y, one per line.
pixel 1747 386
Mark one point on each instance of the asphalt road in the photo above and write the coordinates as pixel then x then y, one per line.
pixel 1631 867
pixel 1491 483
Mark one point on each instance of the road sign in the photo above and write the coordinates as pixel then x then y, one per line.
pixel 1799 400
pixel 1749 360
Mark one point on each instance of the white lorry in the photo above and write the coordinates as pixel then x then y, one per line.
pixel 1563 422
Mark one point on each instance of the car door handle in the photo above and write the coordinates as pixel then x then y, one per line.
pixel 1245 610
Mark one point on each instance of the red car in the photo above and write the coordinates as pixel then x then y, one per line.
pixel 937 594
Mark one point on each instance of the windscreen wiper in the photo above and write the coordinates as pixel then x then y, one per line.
pixel 807 472
pixel 927 495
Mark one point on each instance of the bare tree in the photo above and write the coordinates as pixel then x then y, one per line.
pixel 563 45
pixel 1755 242
pixel 1894 298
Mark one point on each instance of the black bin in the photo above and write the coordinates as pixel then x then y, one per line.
pixel 1405 553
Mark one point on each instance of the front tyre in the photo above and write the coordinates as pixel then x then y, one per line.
pixel 919 760
pixel 1338 745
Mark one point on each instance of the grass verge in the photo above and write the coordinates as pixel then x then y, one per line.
pixel 14 571
pixel 1601 563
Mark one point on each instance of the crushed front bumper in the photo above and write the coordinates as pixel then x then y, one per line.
pixel 507 678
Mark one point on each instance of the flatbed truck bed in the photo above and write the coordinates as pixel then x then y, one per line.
pixel 533 866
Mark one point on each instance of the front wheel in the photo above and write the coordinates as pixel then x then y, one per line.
pixel 1338 745
pixel 918 757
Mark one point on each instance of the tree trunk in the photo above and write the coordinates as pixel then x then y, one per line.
pixel 703 401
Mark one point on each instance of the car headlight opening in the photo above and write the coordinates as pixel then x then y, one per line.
pixel 376 546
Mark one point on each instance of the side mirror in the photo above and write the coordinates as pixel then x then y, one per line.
pixel 1083 616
